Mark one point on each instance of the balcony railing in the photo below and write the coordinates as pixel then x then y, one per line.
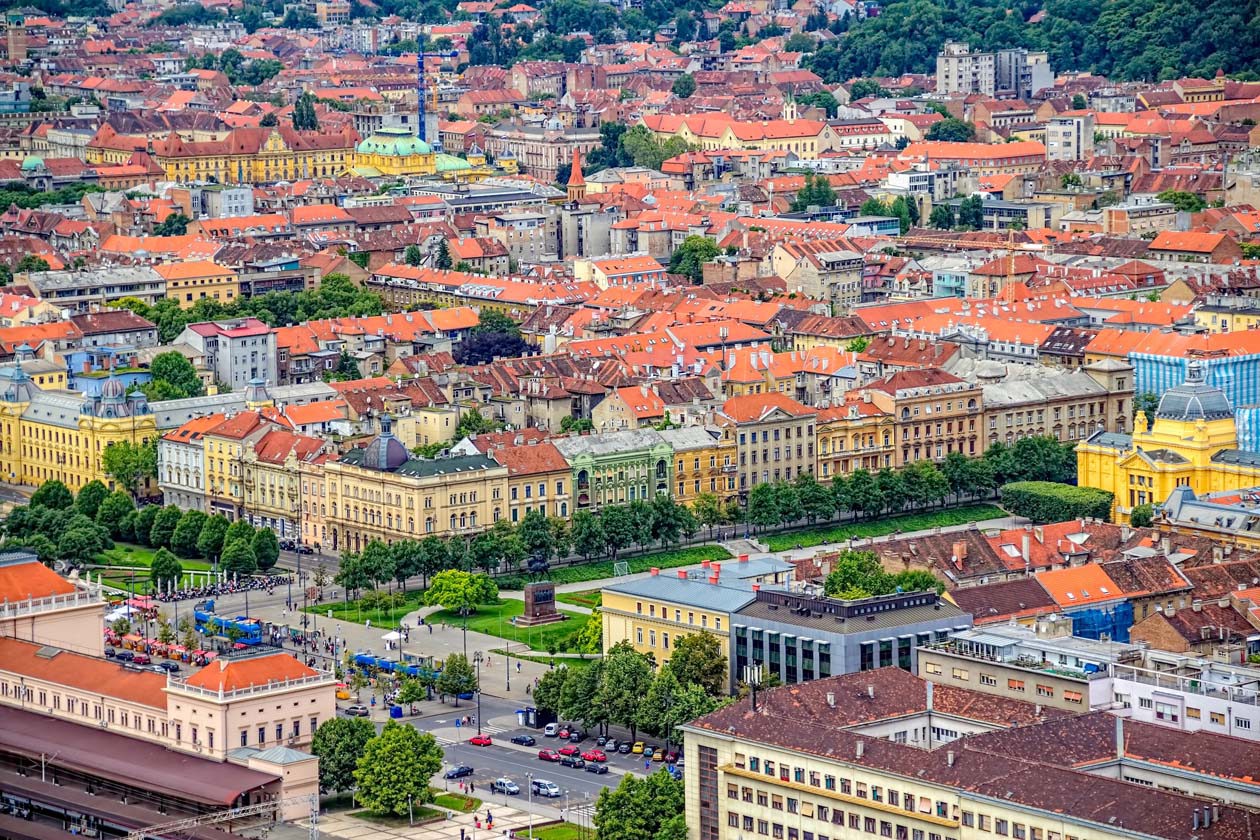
pixel 84 595
pixel 180 683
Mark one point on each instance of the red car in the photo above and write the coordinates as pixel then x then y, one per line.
pixel 594 755
pixel 549 755
pixel 563 733
pixel 480 740
pixel 570 749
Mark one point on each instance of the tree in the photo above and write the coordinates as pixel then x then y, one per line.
pixel 1069 180
pixel 863 88
pixel 113 512
pixel 707 508
pixel 951 130
pixel 588 534
pixel 653 713
pixel 640 807
pixel 166 571
pixel 579 698
pixel 340 743
pixel 444 261
pixel 691 255
pixel 412 255
pixel 917 580
pixel 698 658
pixel 175 224
pixel 1186 202
pixel 1079 103
pixel 238 559
pixel 164 525
pixel 210 540
pixel 536 535
pixel 618 525
pixel 684 86
pixel 304 116
pixel 90 497
pixel 175 376
pixel 53 494
pixel 1142 516
pixel 351 573
pixel 142 524
pixel 269 120
pixel 461 592
pixel 266 549
pixel 924 483
pixel 187 532
pixel 626 680
pixel 858 571
pixel 763 506
pixel 942 217
pixel 394 771
pixel 590 639
pixel 550 690
pixel 457 677
pixel 1147 403
pixel 483 348
pixel 80 542
pixel 815 192
pixel 692 702
pixel 130 464
pixel 787 502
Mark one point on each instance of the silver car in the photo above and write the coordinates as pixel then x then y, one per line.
pixel 505 785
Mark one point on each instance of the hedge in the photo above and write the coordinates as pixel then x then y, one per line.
pixel 1046 501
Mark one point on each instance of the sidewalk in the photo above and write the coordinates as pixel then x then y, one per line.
pixel 508 822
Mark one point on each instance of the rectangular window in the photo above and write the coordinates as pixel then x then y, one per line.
pixel 1000 828
pixel 1045 690
pixel 1217 717
pixel 988 679
pixel 1015 685
pixel 962 674
pixel 932 667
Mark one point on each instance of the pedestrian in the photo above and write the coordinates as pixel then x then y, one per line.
pixel 518 666
pixel 647 764
pixel 430 629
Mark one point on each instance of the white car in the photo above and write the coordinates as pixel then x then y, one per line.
pixel 505 785
pixel 551 730
pixel 542 787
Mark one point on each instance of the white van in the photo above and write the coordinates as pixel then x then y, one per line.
pixel 551 730
pixel 542 787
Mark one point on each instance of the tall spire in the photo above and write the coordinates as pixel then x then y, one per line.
pixel 577 183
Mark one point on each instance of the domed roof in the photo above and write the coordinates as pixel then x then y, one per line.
pixel 385 452
pixel 32 162
pixel 393 142
pixel 113 389
pixel 450 163
pixel 1194 399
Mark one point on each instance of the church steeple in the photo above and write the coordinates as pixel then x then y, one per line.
pixel 577 183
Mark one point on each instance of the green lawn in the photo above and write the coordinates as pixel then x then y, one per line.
pixel 419 814
pixel 882 527
pixel 127 554
pixel 355 613
pixel 456 802
pixel 560 831
pixel 600 569
pixel 589 598
pixel 574 662
pixel 492 619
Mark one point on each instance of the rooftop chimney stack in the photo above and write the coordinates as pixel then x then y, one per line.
pixel 831 700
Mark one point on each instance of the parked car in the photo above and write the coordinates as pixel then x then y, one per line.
pixel 125 656
pixel 551 729
pixel 577 736
pixel 595 755
pixel 109 653
pixel 610 745
pixel 549 755
pixel 142 659
pixel 169 666
pixel 672 756
pixel 574 761
pixel 358 710
pixel 506 786
pixel 647 751
pixel 304 549
pixel 601 740
pixel 459 772
pixel 564 732
pixel 542 787
pixel 570 749
pixel 637 749
pixel 480 740
pixel 524 740
pixel 596 767
pixel 624 747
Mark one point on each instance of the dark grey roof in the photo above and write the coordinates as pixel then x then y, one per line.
pixel 1115 440
pixel 688 591
pixel 879 620
pixel 1194 399
pixel 1166 456
pixel 1237 456
pixel 421 467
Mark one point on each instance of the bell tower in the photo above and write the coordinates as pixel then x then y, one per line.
pixel 577 183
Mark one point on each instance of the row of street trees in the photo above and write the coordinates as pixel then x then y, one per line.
pixel 389 772
pixel 57 525
pixel 626 688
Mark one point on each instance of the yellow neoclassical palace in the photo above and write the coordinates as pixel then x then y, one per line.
pixel 46 435
pixel 257 155
pixel 397 152
pixel 1191 442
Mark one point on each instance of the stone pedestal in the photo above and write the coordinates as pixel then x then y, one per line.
pixel 540 605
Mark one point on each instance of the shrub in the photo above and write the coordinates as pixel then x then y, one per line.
pixel 1046 501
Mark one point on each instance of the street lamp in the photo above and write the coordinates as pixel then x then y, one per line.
pixel 477 659
pixel 529 777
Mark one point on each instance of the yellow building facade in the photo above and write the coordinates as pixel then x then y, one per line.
pixel 257 156
pixel 1192 442
pixel 394 152
pixel 225 446
pixel 62 436
pixel 189 282
pixel 380 492
pixel 704 462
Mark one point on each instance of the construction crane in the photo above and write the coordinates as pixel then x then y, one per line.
pixel 157 832
pixel 422 88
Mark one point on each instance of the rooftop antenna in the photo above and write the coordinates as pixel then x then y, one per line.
pixel 752 678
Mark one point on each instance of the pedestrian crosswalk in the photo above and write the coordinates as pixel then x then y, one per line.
pixel 466 732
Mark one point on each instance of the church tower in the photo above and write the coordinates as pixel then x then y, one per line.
pixel 577 183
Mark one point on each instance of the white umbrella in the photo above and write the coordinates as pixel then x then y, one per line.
pixel 392 636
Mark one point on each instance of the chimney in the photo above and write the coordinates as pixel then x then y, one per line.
pixel 1207 816
pixel 717 569
pixel 682 574
pixel 743 558
pixel 870 691
pixel 1197 606
pixel 1024 551
pixel 861 750
pixel 1194 814
pixel 1216 812
pixel 1165 545
pixel 949 758
pixel 706 564
pixel 929 685
pixel 655 571
pixel 713 579
pixel 1119 738
pixel 831 700
pixel 756 587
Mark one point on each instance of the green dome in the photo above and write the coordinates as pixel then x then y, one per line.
pixel 450 163
pixel 393 142
pixel 31 163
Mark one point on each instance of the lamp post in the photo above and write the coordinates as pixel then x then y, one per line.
pixel 477 659
pixel 530 778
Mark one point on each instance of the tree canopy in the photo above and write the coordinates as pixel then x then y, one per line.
pixel 340 743
pixel 394 771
